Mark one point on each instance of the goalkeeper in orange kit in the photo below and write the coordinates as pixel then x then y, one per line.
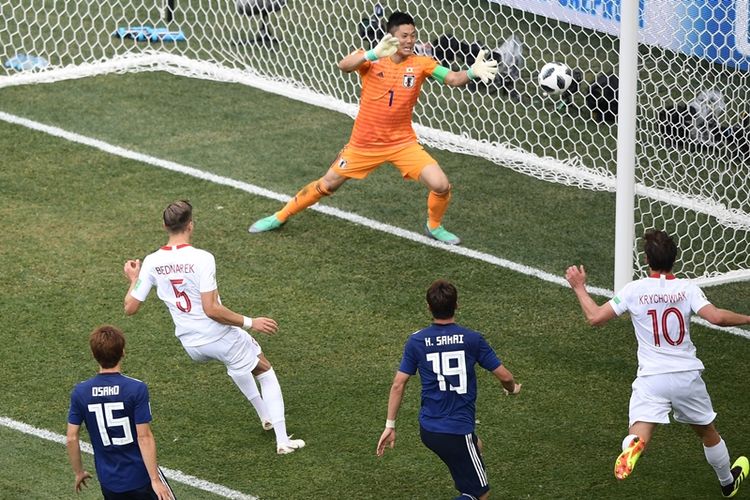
pixel 392 76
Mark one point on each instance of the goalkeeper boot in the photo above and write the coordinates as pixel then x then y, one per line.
pixel 625 463
pixel 442 234
pixel 739 471
pixel 266 224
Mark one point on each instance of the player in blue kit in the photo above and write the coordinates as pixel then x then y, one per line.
pixel 445 353
pixel 117 413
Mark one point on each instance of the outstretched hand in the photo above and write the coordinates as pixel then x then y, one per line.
pixel 385 48
pixel 265 325
pixel 388 438
pixel 483 69
pixel 576 276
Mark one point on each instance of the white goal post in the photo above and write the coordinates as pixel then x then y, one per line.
pixel 626 129
pixel 690 136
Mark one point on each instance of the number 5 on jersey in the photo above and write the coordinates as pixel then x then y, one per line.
pixel 449 363
pixel 186 305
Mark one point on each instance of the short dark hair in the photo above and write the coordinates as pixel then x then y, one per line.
pixel 660 249
pixel 442 298
pixel 177 216
pixel 107 345
pixel 397 19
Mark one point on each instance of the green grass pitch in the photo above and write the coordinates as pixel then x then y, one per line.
pixel 346 297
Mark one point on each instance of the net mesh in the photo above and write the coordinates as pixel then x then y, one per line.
pixel 692 135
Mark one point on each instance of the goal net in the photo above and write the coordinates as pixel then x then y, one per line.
pixel 692 166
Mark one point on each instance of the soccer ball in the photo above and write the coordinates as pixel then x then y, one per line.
pixel 555 78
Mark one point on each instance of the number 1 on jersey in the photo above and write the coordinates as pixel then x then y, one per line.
pixel 442 365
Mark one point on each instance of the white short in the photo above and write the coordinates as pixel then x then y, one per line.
pixel 238 350
pixel 684 393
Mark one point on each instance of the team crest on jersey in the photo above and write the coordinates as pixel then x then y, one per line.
pixel 409 80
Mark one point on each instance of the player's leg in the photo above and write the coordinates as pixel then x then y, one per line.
pixel 246 383
pixel 311 194
pixel 306 197
pixel 239 353
pixel 271 396
pixel 649 405
pixel 461 454
pixel 415 163
pixel 438 200
pixel 717 455
pixel 693 406
pixel 643 430
pixel 271 389
pixel 350 163
pixel 634 444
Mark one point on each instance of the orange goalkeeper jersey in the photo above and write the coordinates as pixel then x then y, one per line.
pixel 389 93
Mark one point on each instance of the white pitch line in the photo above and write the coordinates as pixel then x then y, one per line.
pixel 328 210
pixel 175 475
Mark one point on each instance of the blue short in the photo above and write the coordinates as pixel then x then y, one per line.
pixel 144 493
pixel 461 454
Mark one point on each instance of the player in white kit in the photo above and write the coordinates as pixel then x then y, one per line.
pixel 669 372
pixel 185 279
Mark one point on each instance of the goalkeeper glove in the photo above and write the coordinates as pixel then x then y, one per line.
pixel 385 48
pixel 484 70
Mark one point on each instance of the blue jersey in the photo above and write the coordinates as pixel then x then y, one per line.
pixel 112 404
pixel 445 356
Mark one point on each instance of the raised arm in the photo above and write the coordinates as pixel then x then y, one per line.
pixel 722 317
pixel 595 314
pixel 385 48
pixel 483 69
pixel 388 437
pixel 222 314
pixel 352 62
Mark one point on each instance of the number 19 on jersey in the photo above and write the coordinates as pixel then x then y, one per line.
pixel 449 363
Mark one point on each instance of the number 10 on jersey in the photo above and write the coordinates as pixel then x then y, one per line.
pixel 673 311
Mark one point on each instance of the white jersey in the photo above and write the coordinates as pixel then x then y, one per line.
pixel 660 307
pixel 181 273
